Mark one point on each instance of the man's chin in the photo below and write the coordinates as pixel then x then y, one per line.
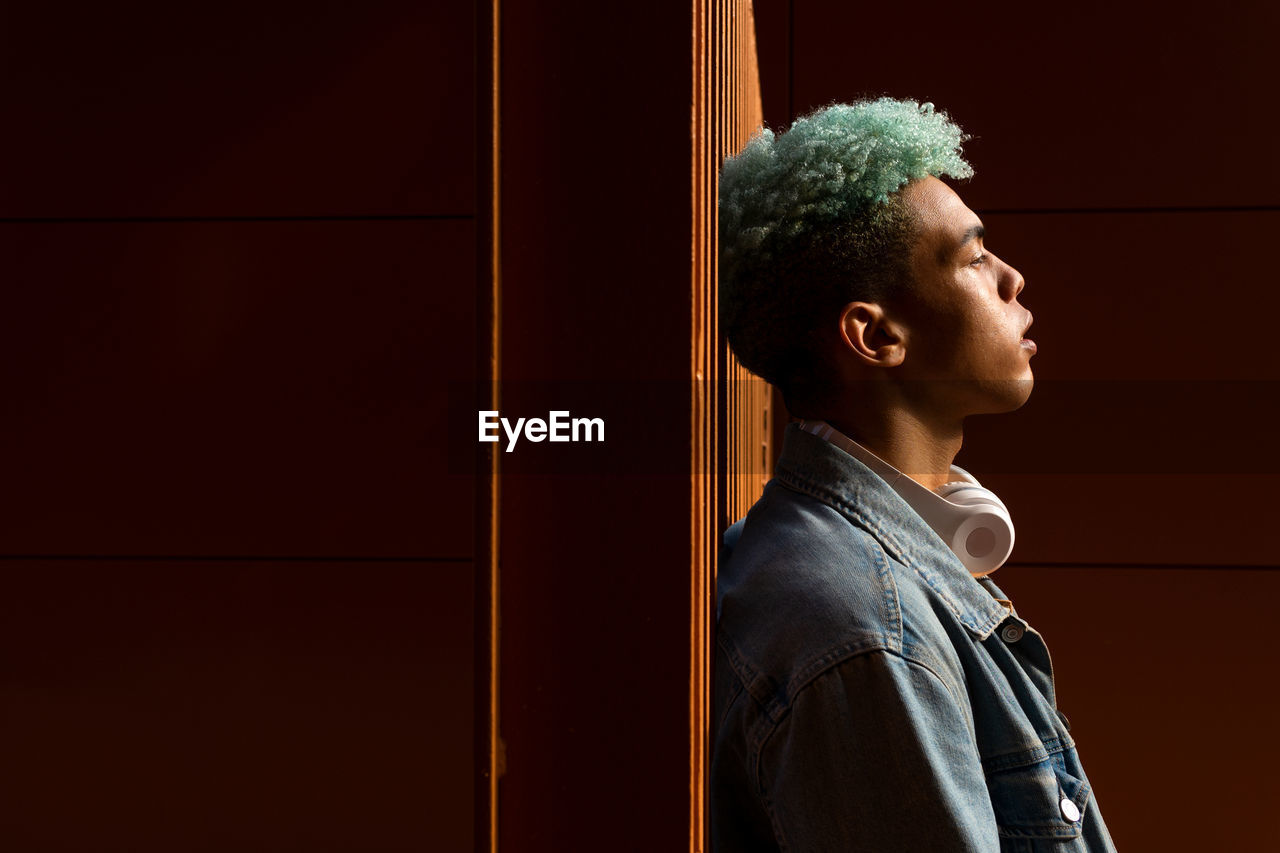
pixel 1006 396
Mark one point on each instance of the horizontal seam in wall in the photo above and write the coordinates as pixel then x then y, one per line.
pixel 1226 208
pixel 129 220
pixel 1103 564
pixel 232 558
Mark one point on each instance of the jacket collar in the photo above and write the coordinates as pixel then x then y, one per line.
pixel 816 467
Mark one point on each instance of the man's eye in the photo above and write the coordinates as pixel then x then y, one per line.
pixel 978 261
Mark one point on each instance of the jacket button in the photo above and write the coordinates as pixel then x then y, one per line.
pixel 1070 810
pixel 1011 633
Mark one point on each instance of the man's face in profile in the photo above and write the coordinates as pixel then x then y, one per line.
pixel 964 325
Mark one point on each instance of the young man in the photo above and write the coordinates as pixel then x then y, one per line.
pixel 874 690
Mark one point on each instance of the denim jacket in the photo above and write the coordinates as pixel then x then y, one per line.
pixel 870 694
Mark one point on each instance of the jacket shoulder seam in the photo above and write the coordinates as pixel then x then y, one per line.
pixel 774 698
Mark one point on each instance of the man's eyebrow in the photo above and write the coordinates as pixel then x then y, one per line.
pixel 948 251
pixel 974 231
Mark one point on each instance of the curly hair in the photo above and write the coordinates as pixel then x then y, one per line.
pixel 812 219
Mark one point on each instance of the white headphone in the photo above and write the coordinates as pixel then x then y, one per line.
pixel 973 522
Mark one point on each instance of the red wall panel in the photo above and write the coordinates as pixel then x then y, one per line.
pixel 232 109
pixel 237 257
pixel 1162 673
pixel 234 705
pixel 596 250
pixel 264 388
pixel 1156 389
pixel 1092 104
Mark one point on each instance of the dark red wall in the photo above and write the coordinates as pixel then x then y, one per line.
pixel 596 164
pixel 1121 166
pixel 235 565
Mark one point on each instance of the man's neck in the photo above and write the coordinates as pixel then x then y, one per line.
pixel 921 450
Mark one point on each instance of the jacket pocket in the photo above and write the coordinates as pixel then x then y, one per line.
pixel 1039 806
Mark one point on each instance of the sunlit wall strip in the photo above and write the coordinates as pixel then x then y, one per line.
pixel 731 427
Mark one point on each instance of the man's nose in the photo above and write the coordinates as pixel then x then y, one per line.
pixel 1013 283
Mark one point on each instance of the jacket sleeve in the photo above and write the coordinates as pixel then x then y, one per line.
pixel 877 755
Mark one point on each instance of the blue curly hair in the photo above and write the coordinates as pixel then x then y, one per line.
pixel 811 219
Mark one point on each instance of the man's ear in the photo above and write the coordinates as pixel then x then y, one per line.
pixel 869 335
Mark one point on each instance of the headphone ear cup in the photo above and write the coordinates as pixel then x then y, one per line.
pixel 984 539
